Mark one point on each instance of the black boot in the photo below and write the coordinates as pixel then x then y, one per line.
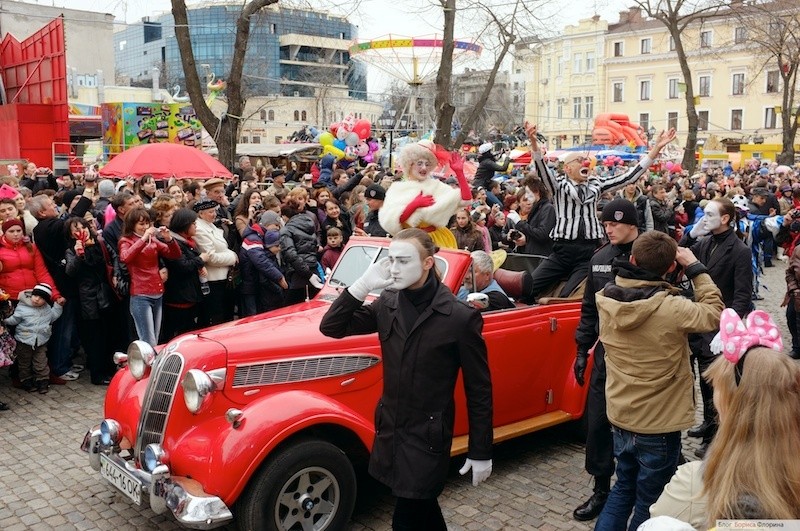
pixel 701 451
pixel 698 431
pixel 590 509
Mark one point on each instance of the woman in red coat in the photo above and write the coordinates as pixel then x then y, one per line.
pixel 21 264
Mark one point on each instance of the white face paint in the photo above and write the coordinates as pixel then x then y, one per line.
pixel 712 215
pixel 405 264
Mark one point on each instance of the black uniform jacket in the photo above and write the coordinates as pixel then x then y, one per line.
pixel 415 415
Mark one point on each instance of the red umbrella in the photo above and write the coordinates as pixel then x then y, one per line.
pixel 162 161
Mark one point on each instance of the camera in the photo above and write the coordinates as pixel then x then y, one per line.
pixel 514 234
pixel 795 214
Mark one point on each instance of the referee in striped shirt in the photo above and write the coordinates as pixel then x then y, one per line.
pixel 578 232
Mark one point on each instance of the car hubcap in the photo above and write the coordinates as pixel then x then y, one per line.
pixel 308 501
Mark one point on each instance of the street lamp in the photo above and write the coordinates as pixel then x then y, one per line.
pixel 387 122
pixel 651 132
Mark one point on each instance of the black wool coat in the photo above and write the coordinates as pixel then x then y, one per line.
pixel 415 415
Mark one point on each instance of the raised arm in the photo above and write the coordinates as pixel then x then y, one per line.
pixel 609 184
pixel 548 178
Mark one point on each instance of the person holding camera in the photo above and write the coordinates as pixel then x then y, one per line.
pixel 139 249
pixel 248 210
pixel 532 235
pixel 37 179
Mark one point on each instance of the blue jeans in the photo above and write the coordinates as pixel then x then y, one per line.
pixel 146 312
pixel 645 464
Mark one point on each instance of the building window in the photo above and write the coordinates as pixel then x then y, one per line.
pixel 244 140
pixel 590 62
pixel 705 39
pixel 738 84
pixel 547 109
pixel 671 43
pixel 296 116
pixel 576 107
pixel 144 53
pixel 672 120
pixel 273 28
pixel 672 89
pixel 549 66
pixel 263 114
pixel 645 45
pixel 271 115
pixel 619 49
pixel 644 90
pixel 644 120
pixel 704 88
pixel 560 109
pixel 576 140
pixel 770 121
pixel 256 140
pixel 617 90
pixel 740 35
pixel 560 65
pixel 303 116
pixel 589 102
pixel 736 119
pixel 702 120
pixel 577 63
pixel 773 81
pixel 152 31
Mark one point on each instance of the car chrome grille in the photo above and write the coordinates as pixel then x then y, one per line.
pixel 164 377
pixel 302 369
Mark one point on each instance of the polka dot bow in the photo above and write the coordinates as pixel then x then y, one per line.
pixel 738 337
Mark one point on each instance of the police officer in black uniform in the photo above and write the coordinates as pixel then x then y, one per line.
pixel 620 220
pixel 374 194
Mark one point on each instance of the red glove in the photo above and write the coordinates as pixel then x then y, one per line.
pixel 457 165
pixel 421 201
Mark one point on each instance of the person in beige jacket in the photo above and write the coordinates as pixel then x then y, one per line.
pixel 218 304
pixel 644 324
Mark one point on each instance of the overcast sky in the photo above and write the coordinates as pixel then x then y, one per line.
pixel 375 18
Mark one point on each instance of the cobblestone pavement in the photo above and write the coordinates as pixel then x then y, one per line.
pixel 46 482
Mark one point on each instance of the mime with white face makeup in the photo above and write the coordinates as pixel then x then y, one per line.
pixel 416 317
pixel 714 241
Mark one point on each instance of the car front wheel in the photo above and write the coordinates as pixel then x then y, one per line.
pixel 309 485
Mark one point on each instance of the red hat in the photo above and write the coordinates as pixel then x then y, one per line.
pixel 11 223
pixel 8 192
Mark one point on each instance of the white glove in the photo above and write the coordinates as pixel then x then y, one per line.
pixel 376 276
pixel 700 229
pixel 481 470
pixel 316 281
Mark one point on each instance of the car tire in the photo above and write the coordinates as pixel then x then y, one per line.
pixel 311 481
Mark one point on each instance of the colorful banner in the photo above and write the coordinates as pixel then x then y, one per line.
pixel 126 125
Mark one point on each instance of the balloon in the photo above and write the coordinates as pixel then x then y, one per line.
pixel 349 122
pixel 373 145
pixel 351 139
pixel 669 165
pixel 326 139
pixel 676 168
pixel 334 128
pixel 608 162
pixel 362 149
pixel 368 158
pixel 332 150
pixel 313 131
pixel 342 133
pixel 350 153
pixel 340 144
pixel 362 128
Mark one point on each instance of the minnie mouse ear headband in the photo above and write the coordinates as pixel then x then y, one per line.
pixel 736 337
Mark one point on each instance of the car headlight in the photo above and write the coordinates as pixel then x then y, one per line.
pixel 197 385
pixel 154 455
pixel 110 432
pixel 140 356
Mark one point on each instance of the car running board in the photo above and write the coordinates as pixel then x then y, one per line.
pixel 502 433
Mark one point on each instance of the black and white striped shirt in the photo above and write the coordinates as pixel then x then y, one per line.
pixel 576 205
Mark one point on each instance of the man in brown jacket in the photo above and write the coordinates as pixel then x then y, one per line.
pixel 644 324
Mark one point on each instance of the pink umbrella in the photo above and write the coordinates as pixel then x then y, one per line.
pixel 164 160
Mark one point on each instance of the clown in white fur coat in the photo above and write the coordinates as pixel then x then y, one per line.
pixel 422 201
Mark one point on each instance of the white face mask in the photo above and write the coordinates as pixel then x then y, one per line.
pixel 712 215
pixel 405 264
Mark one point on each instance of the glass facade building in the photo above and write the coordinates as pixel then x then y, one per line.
pixel 290 52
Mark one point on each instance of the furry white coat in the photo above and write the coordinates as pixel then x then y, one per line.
pixel 400 194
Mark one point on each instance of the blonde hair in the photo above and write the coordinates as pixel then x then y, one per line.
pixel 414 152
pixel 295 194
pixel 754 454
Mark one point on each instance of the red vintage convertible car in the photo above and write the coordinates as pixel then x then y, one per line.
pixel 265 419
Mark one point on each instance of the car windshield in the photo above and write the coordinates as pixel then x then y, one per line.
pixel 356 259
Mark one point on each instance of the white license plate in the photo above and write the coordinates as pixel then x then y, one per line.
pixel 122 479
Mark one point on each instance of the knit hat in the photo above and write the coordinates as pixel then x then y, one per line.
pixel 204 205
pixel 483 148
pixel 13 222
pixel 621 211
pixel 270 217
pixel 375 191
pixel 68 197
pixel 44 291
pixel 272 238
pixel 105 188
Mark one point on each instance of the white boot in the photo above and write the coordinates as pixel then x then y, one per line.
pixel 781 254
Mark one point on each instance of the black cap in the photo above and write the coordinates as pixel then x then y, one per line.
pixel 375 191
pixel 204 205
pixel 620 211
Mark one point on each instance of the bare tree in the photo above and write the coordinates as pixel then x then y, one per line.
pixel 225 129
pixel 773 26
pixel 676 16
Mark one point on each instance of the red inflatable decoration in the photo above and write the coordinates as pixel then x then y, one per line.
pixel 613 129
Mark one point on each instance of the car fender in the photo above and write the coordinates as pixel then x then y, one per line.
pixel 234 454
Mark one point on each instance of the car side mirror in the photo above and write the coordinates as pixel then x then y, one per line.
pixel 479 301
